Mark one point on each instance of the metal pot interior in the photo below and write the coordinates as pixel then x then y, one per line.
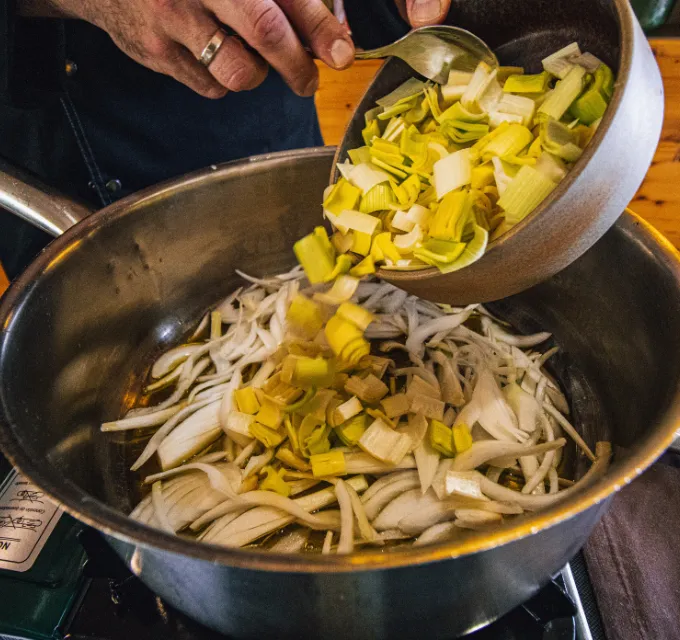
pixel 82 324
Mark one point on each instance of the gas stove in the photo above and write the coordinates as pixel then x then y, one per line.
pixel 73 587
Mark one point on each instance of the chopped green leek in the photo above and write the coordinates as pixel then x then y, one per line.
pixel 361 244
pixel 407 242
pixel 537 83
pixel 371 115
pixel 397 109
pixel 565 92
pixel 350 432
pixel 292 433
pixel 364 268
pixel 517 105
pixel 441 438
pixel 505 72
pixel 509 142
pixel 300 404
pixel 473 251
pixel 384 444
pixel 246 400
pixel 316 255
pixel 331 463
pixel 480 80
pixel 526 191
pixel 308 372
pixel 396 405
pixel 371 131
pixel 343 264
pixel 418 112
pixel 270 438
pixel 559 140
pixel 369 389
pixel 462 438
pixel 346 340
pixel 361 155
pixel 362 222
pixel 439 252
pixel 269 415
pixel 378 198
pixel 449 220
pixel 343 195
pixel 558 63
pixel 304 316
pixel 452 172
pixel 551 166
pixel 593 103
pixel 470 138
pixel 383 248
pixel 288 457
pixel 355 314
pixel 313 436
pixel 482 176
pixel 404 92
pixel 274 481
pixel 366 176
pixel 347 410
pixel 342 242
pixel 458 112
pixel 589 107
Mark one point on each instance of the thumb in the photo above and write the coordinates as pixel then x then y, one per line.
pixel 425 12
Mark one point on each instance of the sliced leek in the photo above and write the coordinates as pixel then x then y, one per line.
pixel 424 142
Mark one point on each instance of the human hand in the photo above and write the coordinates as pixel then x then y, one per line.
pixel 420 13
pixel 169 36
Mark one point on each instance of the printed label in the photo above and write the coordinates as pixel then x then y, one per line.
pixel 27 518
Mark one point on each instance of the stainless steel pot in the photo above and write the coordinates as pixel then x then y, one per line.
pixel 84 319
pixel 603 181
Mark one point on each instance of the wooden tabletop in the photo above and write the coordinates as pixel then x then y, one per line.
pixel 658 199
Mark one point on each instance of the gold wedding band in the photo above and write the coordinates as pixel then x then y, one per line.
pixel 210 51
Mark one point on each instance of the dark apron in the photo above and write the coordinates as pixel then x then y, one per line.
pixel 96 125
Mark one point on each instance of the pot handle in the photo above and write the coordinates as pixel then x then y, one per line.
pixel 44 207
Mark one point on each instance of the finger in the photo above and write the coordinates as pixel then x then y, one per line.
pixel 233 66
pixel 424 12
pixel 265 27
pixel 161 54
pixel 181 65
pixel 321 30
pixel 237 68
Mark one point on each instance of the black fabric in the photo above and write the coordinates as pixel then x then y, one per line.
pixel 632 557
pixel 374 23
pixel 114 120
pixel 142 127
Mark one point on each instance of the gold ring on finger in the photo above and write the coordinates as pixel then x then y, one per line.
pixel 210 51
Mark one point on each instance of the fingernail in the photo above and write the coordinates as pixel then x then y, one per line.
pixel 426 11
pixel 342 53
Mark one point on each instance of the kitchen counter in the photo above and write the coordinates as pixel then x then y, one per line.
pixel 658 199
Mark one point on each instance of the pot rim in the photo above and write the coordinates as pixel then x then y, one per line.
pixel 97 514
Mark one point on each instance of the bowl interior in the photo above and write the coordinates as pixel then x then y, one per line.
pixel 521 33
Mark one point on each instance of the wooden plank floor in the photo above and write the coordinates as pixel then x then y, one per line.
pixel 658 200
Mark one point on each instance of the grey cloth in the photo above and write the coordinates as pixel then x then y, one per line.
pixel 633 558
